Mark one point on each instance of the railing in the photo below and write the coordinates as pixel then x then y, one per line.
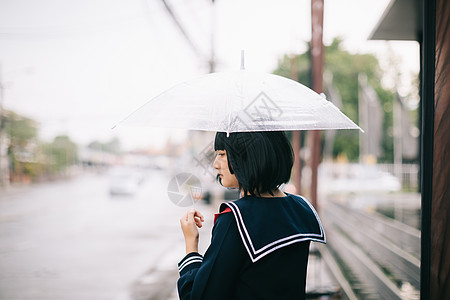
pixel 406 173
pixel 378 256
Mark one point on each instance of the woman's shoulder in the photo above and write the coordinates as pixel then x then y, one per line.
pixel 291 208
pixel 296 203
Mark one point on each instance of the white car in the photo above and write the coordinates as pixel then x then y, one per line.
pixel 357 178
pixel 124 181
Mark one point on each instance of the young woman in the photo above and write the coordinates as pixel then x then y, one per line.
pixel 260 242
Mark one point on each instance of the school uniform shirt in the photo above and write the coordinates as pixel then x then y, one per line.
pixel 259 250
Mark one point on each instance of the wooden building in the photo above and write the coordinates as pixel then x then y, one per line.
pixel 428 23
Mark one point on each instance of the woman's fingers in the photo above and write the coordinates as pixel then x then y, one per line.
pixel 192 216
pixel 198 222
pixel 199 215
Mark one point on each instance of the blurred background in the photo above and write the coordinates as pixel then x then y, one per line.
pixel 91 212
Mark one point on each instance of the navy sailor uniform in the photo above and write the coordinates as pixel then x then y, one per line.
pixel 259 250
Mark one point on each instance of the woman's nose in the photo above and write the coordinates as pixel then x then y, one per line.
pixel 216 164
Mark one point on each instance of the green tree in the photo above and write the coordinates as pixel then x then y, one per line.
pixel 112 146
pixel 61 153
pixel 345 68
pixel 22 134
pixel 20 130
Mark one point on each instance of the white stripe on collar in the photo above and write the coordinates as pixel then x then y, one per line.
pixel 256 255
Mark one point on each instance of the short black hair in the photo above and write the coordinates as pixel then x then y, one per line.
pixel 261 160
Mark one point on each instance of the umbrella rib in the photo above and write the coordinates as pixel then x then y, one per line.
pixel 129 115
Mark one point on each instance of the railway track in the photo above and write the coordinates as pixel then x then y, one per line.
pixel 371 256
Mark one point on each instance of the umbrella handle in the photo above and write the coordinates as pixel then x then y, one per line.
pixel 242 60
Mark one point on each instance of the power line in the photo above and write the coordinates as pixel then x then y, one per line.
pixel 194 47
pixel 180 27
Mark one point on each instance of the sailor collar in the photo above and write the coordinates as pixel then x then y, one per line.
pixel 268 224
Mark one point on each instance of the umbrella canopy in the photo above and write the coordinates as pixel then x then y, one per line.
pixel 240 101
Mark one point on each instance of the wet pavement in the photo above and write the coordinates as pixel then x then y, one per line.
pixel 72 240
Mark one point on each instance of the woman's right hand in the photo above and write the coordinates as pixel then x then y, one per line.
pixel 190 222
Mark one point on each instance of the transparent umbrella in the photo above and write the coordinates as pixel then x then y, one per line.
pixel 240 101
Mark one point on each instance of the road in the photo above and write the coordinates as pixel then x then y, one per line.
pixel 72 240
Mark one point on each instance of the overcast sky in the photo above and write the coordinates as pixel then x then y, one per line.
pixel 79 67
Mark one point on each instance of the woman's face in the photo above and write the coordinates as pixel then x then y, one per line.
pixel 221 165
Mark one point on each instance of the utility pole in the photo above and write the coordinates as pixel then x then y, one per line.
pixel 398 135
pixel 296 137
pixel 363 117
pixel 4 166
pixel 212 59
pixel 317 85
